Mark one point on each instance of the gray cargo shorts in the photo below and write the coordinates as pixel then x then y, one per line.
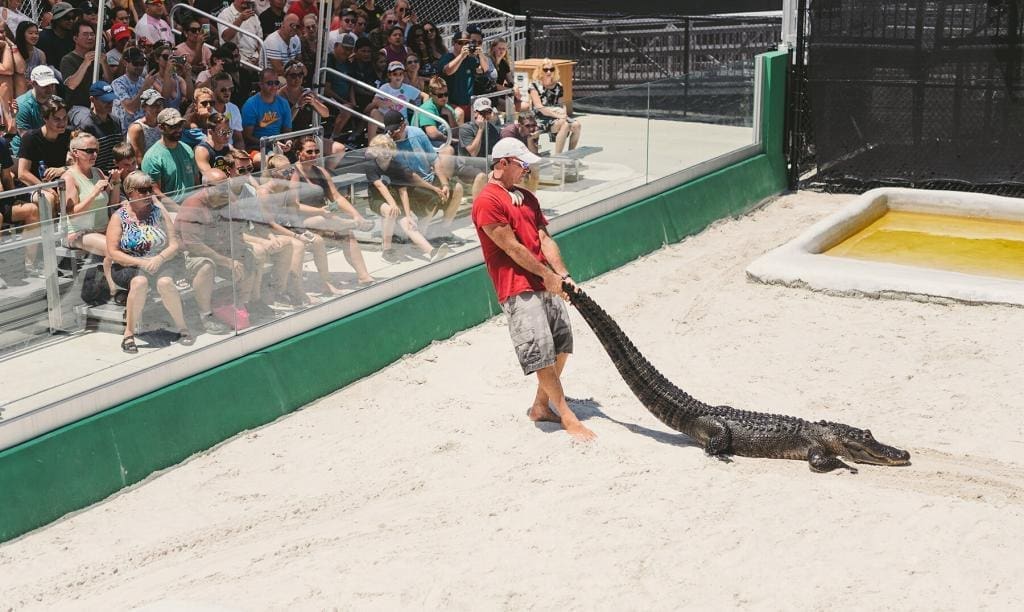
pixel 538 322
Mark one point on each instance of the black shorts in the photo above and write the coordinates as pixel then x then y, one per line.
pixel 123 275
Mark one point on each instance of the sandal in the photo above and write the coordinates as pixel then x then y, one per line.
pixel 185 338
pixel 128 345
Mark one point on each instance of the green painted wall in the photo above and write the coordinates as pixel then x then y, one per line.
pixel 86 461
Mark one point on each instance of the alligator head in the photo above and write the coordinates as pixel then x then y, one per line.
pixel 860 446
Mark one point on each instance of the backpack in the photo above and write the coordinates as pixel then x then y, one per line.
pixel 95 290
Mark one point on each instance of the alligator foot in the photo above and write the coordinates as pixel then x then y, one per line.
pixel 820 461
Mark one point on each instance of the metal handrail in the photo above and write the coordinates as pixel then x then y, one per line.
pixel 245 62
pixel 227 24
pixel 264 140
pixel 342 107
pixel 384 94
pixel 24 242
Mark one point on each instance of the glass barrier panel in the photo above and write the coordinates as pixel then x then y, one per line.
pixel 700 116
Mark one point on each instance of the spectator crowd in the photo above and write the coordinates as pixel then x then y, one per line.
pixel 155 157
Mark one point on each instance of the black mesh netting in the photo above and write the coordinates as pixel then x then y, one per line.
pixel 917 94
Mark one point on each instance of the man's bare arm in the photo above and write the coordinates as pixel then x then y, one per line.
pixel 505 238
pixel 552 253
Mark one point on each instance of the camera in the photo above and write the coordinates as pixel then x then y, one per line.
pixel 472 47
pixel 178 59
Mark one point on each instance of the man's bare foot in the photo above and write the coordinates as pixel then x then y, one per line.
pixel 543 413
pixel 580 433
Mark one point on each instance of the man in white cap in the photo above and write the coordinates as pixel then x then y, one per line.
pixel 477 138
pixel 29 115
pixel 170 163
pixel 527 270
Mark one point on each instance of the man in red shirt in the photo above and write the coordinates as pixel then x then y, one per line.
pixel 527 270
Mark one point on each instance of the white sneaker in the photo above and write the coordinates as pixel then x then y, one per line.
pixel 440 252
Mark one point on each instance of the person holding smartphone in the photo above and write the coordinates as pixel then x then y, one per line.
pixel 193 48
pixel 242 14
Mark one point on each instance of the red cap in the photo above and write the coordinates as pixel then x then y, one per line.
pixel 120 32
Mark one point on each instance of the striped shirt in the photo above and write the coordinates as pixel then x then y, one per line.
pixel 276 49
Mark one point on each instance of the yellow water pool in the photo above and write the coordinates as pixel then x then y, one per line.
pixel 985 247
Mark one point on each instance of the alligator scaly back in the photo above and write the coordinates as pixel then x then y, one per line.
pixel 724 430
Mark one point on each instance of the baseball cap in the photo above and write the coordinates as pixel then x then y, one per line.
pixel 102 91
pixel 87 8
pixel 363 42
pixel 63 10
pixel 169 116
pixel 513 147
pixel 392 120
pixel 396 66
pixel 120 32
pixel 150 97
pixel 348 40
pixel 134 54
pixel 43 76
pixel 473 30
pixel 482 104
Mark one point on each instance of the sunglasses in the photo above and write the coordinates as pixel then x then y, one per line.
pixel 244 169
pixel 348 20
pixel 144 190
pixel 226 89
pixel 272 83
pixel 205 103
pixel 89 150
pixel 194 30
pixel 549 70
pixel 519 162
pixel 312 152
pixel 297 75
pixel 443 94
pixel 141 64
pixel 222 132
pixel 412 61
pixel 462 41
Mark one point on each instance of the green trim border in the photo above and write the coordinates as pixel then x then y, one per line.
pixel 84 462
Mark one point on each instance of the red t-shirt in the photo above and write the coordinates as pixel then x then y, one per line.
pixel 494 205
pixel 297 8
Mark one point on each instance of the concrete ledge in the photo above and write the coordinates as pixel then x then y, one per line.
pixel 801 262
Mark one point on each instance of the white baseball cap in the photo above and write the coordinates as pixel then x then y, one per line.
pixel 43 76
pixel 482 104
pixel 513 147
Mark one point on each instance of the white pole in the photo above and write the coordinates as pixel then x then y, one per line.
pixel 789 20
pixel 99 41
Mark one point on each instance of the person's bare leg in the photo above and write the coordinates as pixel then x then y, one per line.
pixel 319 250
pixel 415 235
pixel 171 300
pixel 202 284
pixel 97 245
pixel 387 226
pixel 137 291
pixel 453 208
pixel 552 385
pixel 479 183
pixel 541 408
pixel 354 257
pixel 282 265
pixel 574 138
pixel 561 128
pixel 295 286
pixel 28 214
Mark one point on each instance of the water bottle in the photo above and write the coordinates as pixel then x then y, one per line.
pixel 42 169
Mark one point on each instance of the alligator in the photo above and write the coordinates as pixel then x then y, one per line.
pixel 724 430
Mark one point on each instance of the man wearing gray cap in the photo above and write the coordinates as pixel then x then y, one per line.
pixel 55 41
pixel 170 163
pixel 29 115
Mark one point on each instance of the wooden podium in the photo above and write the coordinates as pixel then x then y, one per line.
pixel 524 71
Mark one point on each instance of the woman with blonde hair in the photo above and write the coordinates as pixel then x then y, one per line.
pixel 88 193
pixel 546 95
pixel 142 244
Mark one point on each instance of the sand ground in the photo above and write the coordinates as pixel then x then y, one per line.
pixel 426 487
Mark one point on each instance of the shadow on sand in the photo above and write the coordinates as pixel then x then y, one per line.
pixel 589 408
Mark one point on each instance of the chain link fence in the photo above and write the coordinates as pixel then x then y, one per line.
pixel 921 93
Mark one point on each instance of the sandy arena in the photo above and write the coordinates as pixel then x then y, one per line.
pixel 426 487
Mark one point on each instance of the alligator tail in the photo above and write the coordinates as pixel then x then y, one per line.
pixel 670 404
